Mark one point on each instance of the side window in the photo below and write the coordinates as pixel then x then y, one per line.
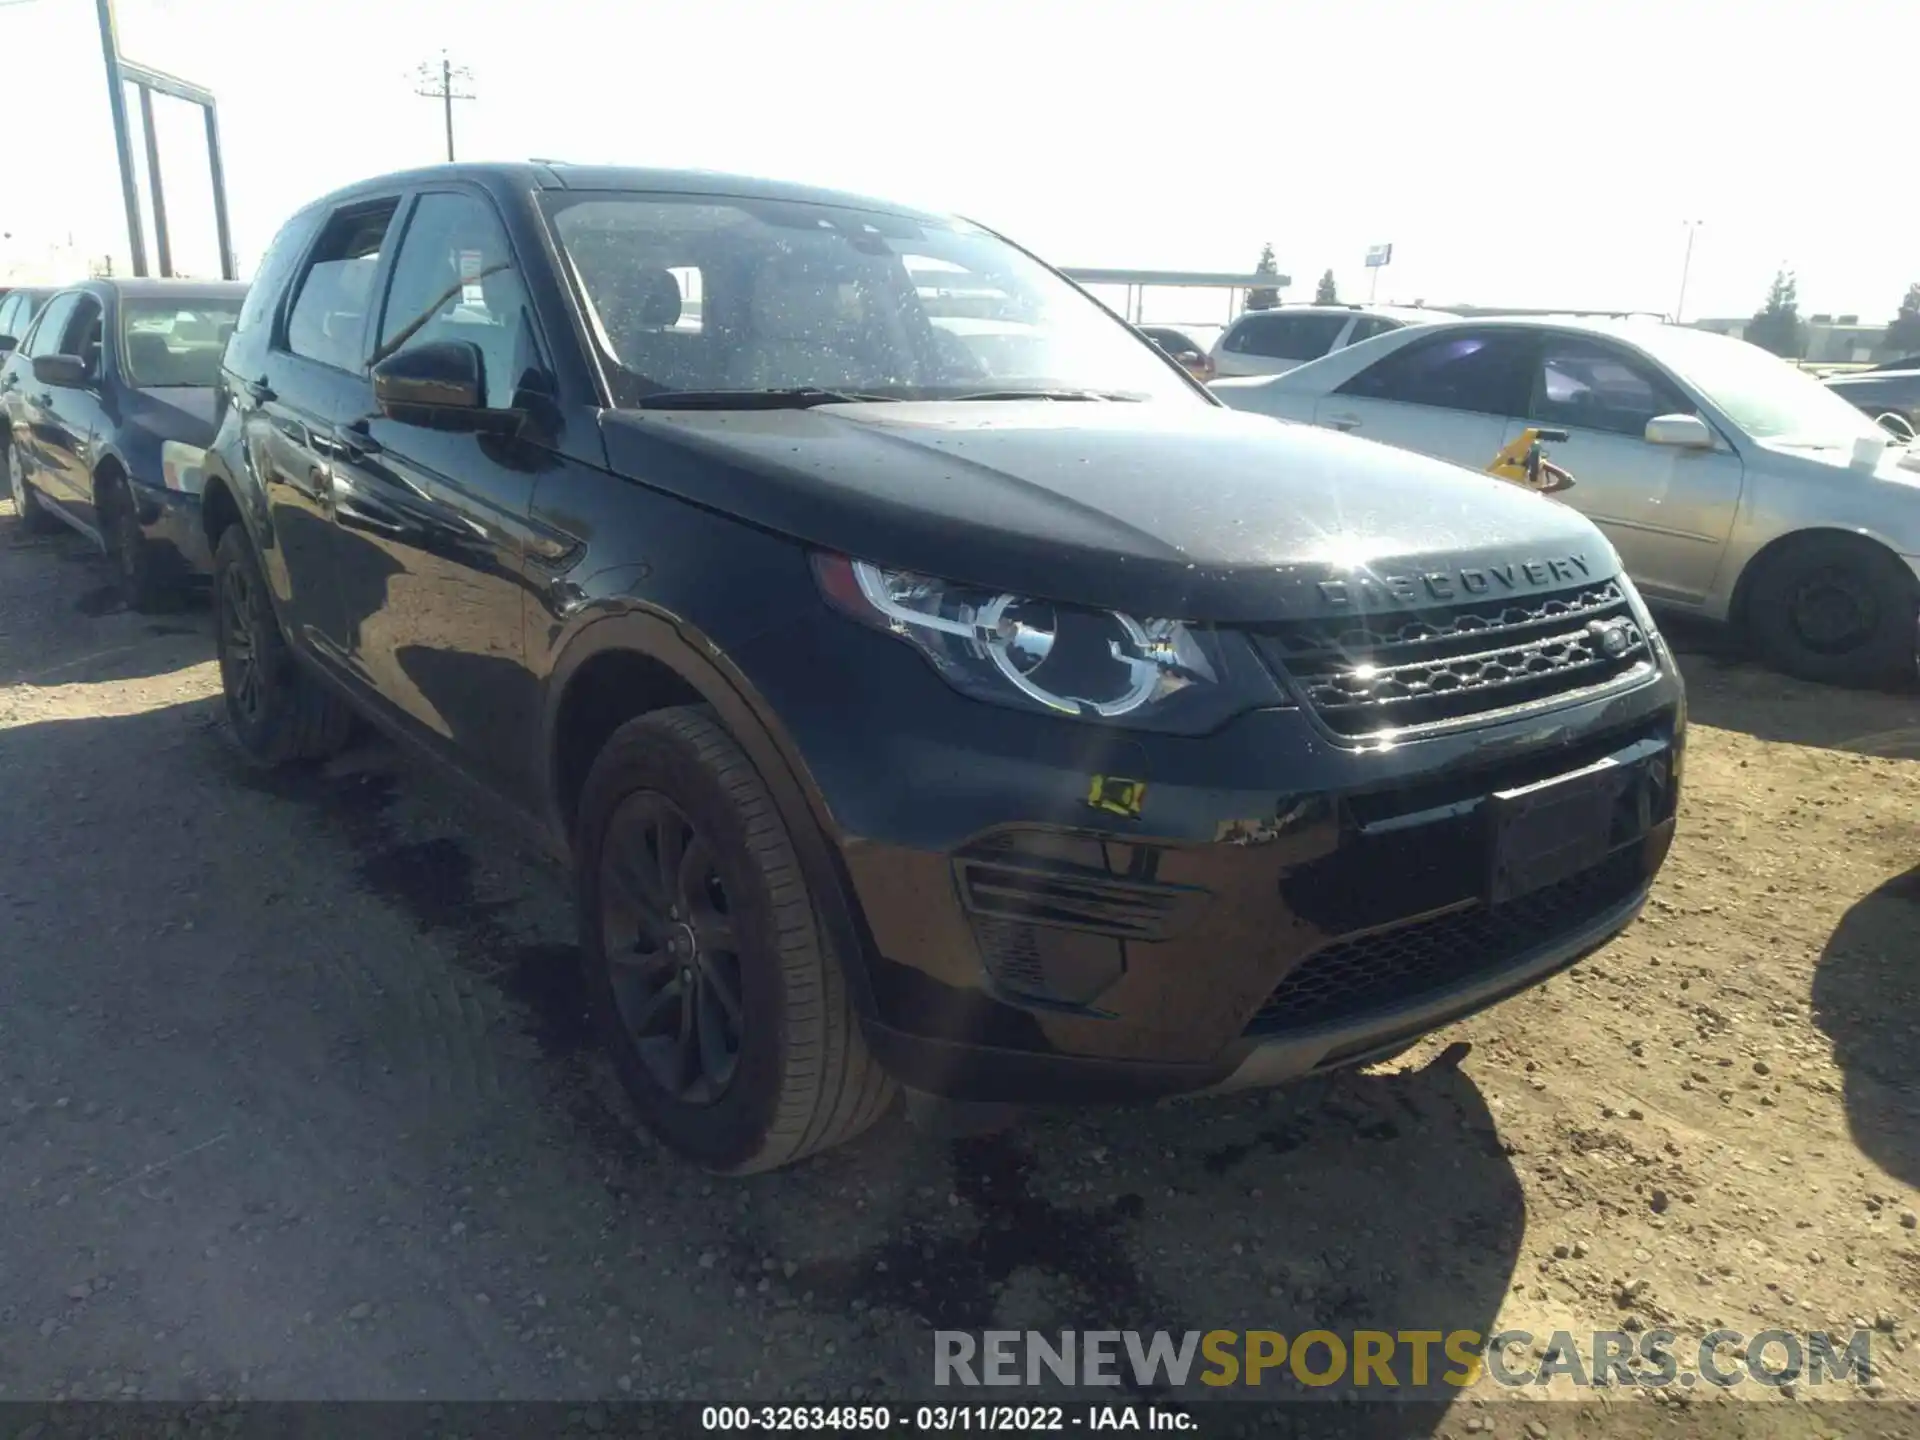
pixel 1590 385
pixel 1292 337
pixel 1368 326
pixel 271 278
pixel 10 309
pixel 454 279
pixel 1488 372
pixel 84 334
pixel 52 328
pixel 328 320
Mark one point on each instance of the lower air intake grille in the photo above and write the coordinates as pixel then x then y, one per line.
pixel 1388 968
pixel 1407 669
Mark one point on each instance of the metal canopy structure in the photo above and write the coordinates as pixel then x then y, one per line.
pixel 122 72
pixel 1137 283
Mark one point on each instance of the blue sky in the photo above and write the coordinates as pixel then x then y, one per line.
pixel 1539 154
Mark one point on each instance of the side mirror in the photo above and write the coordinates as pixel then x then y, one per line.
pixel 7 344
pixel 1685 432
pixel 441 384
pixel 66 371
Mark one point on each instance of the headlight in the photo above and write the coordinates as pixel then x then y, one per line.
pixel 1060 659
pixel 180 467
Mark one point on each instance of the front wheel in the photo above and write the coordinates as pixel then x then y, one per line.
pixel 712 979
pixel 278 712
pixel 141 583
pixel 1837 610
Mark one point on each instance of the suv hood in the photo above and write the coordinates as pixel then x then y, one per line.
pixel 1194 513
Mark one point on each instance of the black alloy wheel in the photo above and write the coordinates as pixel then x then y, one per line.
pixel 672 949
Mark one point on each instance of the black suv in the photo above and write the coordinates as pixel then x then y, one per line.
pixel 972 703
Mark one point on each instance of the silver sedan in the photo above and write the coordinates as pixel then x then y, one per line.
pixel 1732 485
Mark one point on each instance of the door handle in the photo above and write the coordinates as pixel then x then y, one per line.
pixel 1342 422
pixel 257 391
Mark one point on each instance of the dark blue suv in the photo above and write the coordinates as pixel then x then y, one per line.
pixel 931 684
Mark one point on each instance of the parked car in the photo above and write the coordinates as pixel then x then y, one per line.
pixel 1891 389
pixel 1732 485
pixel 109 403
pixel 1272 342
pixel 18 306
pixel 1006 734
pixel 1187 352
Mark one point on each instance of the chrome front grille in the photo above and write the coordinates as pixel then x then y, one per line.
pixel 1413 669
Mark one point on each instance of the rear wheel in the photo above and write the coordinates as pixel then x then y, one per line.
pixel 26 500
pixel 278 712
pixel 713 981
pixel 1835 609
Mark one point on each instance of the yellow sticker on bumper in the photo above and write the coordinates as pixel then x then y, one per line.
pixel 1117 796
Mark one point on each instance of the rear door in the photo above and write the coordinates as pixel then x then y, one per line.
pixel 314 371
pixel 30 401
pixel 1668 511
pixel 1451 395
pixel 431 523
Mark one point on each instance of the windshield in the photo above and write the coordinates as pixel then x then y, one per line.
pixel 175 342
pixel 1758 391
pixel 704 293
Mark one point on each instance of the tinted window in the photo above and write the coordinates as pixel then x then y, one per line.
pixel 1590 385
pixel 1483 371
pixel 175 342
pixel 52 328
pixel 83 334
pixel 1368 326
pixel 1287 337
pixel 454 279
pixel 275 266
pixel 329 315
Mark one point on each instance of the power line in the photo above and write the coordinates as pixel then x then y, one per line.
pixel 438 82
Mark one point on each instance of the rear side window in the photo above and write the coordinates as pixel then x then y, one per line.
pixel 275 266
pixel 328 320
pixel 1368 326
pixel 1489 372
pixel 12 312
pixel 1280 336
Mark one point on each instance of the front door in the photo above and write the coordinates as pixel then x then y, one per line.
pixel 1667 510
pixel 73 413
pixel 432 522
pixel 1449 395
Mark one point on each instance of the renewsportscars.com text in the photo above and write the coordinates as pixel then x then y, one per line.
pixel 1399 1359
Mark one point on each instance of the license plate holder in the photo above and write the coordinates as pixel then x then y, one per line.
pixel 1546 832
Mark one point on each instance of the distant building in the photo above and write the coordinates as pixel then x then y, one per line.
pixel 1830 339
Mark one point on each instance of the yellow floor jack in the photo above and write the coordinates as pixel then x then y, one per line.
pixel 1524 462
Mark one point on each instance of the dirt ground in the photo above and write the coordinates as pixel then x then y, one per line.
pixel 296 1101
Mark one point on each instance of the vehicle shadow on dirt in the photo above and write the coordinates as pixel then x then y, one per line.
pixel 1866 998
pixel 1729 692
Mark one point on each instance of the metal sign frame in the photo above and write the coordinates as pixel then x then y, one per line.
pixel 122 72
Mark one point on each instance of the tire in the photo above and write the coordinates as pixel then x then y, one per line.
pixel 141 583
pixel 798 1078
pixel 1837 610
pixel 278 712
pixel 26 500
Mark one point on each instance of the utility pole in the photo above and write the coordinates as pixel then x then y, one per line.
pixel 438 82
pixel 1686 264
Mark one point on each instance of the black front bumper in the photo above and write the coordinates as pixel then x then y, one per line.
pixel 1282 901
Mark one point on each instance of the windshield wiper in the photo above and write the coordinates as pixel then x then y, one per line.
pixel 797 397
pixel 1051 394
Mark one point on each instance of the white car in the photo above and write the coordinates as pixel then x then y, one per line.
pixel 1732 484
pixel 1272 342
